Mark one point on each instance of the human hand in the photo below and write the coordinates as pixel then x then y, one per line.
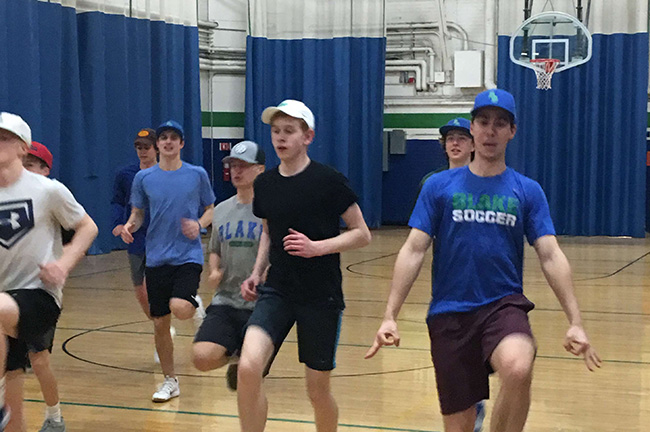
pixel 53 274
pixel 577 343
pixel 191 228
pixel 386 335
pixel 298 244
pixel 249 288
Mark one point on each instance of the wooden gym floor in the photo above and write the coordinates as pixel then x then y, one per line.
pixel 104 349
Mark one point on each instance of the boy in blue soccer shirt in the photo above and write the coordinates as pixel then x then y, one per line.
pixel 172 191
pixel 478 322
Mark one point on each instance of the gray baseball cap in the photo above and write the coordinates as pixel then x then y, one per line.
pixel 247 151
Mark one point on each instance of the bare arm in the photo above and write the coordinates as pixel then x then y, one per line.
pixel 407 267
pixel 216 273
pixel 356 236
pixel 55 273
pixel 132 225
pixel 557 271
pixel 206 219
pixel 249 286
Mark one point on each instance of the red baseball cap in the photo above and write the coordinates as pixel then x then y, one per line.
pixel 40 151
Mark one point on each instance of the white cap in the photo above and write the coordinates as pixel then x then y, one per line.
pixel 291 108
pixel 17 126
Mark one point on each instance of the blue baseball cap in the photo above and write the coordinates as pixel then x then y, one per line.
pixel 171 125
pixel 496 98
pixel 458 123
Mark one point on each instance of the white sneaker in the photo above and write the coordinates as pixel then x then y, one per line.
pixel 156 358
pixel 167 390
pixel 199 313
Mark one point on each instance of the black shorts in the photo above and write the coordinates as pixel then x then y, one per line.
pixel 318 329
pixel 462 344
pixel 169 281
pixel 224 325
pixel 38 316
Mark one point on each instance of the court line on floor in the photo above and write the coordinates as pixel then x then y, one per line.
pixel 349 268
pixel 230 416
pixel 65 349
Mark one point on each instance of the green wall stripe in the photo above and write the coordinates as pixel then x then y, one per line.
pixel 391 121
pixel 414 121
pixel 222 119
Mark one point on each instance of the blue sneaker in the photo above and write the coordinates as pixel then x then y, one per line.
pixel 480 416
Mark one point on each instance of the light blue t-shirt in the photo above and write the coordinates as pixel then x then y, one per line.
pixel 171 196
pixel 478 224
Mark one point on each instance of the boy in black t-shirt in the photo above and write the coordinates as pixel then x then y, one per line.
pixel 300 203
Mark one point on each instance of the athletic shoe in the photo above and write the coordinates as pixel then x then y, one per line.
pixel 167 390
pixel 156 359
pixel 231 374
pixel 199 313
pixel 480 416
pixel 53 426
pixel 4 417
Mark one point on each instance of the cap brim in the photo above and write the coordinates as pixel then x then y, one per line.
pixel 166 128
pixel 18 136
pixel 268 114
pixel 446 129
pixel 229 158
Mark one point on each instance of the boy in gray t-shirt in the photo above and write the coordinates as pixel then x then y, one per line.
pixel 236 234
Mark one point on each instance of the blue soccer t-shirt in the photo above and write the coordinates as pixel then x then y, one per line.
pixel 478 224
pixel 171 196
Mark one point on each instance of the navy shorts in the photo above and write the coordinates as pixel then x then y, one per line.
pixel 318 329
pixel 39 314
pixel 462 344
pixel 224 325
pixel 137 264
pixel 167 281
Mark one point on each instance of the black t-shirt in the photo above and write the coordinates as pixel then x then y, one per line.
pixel 310 202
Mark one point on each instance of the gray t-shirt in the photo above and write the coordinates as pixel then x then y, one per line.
pixel 32 212
pixel 235 238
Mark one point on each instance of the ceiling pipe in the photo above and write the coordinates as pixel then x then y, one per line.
pixel 430 56
pixel 417 70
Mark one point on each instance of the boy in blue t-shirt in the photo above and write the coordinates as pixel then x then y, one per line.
pixel 478 322
pixel 172 191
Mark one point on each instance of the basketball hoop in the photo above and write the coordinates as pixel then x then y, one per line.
pixel 544 69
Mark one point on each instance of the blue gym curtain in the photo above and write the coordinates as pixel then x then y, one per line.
pixel 87 82
pixel 330 55
pixel 585 139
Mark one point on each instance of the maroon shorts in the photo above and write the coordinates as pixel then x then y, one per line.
pixel 462 344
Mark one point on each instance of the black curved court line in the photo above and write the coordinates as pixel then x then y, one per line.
pixel 64 347
pixel 617 271
pixel 348 268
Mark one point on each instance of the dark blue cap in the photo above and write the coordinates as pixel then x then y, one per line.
pixel 496 98
pixel 458 123
pixel 171 125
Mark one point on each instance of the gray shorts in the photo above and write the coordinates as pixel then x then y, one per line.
pixel 137 264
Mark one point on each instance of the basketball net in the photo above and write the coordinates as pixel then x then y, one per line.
pixel 544 69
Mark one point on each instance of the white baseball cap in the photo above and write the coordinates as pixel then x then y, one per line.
pixel 17 126
pixel 291 108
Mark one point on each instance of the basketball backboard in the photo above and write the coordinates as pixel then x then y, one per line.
pixel 551 35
